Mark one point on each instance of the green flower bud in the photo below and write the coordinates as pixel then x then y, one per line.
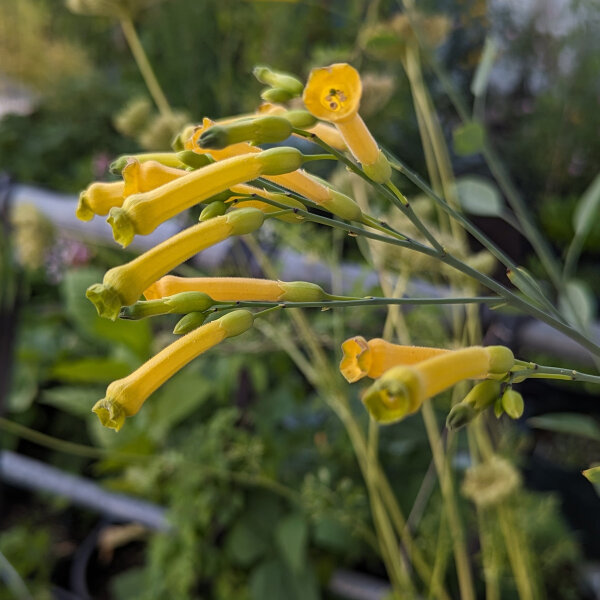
pixel 301 291
pixel 276 79
pixel 245 220
pixel 483 395
pixel 512 403
pixel 502 359
pixel 193 159
pixel 276 95
pixel 498 408
pixel 342 206
pixel 301 119
pixel 214 209
pixel 460 414
pixel 236 322
pixel 189 322
pixel 181 303
pixel 379 171
pixel 277 161
pixel 261 130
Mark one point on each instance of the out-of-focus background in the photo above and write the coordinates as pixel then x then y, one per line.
pixel 236 480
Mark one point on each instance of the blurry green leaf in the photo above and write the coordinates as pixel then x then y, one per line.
pixel 577 302
pixel 468 138
pixel 587 211
pixel 332 535
pixel 478 196
pixel 484 68
pixel 24 388
pixel 90 370
pixel 571 423
pixel 244 545
pixel 128 584
pixel 134 334
pixel 593 476
pixel 77 401
pixel 272 580
pixel 291 536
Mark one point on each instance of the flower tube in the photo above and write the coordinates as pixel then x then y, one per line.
pixel 143 213
pixel 333 94
pixel 237 288
pixel 98 198
pixel 124 284
pixel 401 390
pixel 375 357
pixel 126 396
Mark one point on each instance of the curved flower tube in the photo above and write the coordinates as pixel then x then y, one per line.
pixel 373 358
pixel 126 396
pixel 333 94
pixel 124 284
pixel 98 198
pixel 237 288
pixel 401 390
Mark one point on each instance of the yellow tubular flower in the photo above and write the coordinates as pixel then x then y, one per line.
pixel 375 357
pixel 126 396
pixel 124 284
pixel 401 390
pixel 333 94
pixel 234 150
pixel 237 288
pixel 148 175
pixel 143 213
pixel 98 198
pixel 330 135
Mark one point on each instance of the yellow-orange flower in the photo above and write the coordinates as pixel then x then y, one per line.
pixel 401 390
pixel 98 198
pixel 124 284
pixel 126 396
pixel 333 94
pixel 373 358
pixel 237 288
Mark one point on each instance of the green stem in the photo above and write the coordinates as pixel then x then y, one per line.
pixel 311 157
pixel 139 54
pixel 536 371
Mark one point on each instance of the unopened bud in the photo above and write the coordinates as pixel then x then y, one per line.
pixel 189 322
pixel 181 303
pixel 214 209
pixel 460 414
pixel 342 206
pixel 277 161
pixel 276 79
pixel 483 394
pixel 502 359
pixel 245 220
pixel 194 159
pixel 301 291
pixel 300 118
pixel 236 322
pixel 261 130
pixel 379 171
pixel 276 95
pixel 512 403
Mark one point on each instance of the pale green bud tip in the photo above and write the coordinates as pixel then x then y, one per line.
pixel 502 359
pixel 214 209
pixel 193 159
pixel 83 211
pixel 380 171
pixel 512 403
pixel 343 206
pixel 117 165
pixel 483 395
pixel 302 291
pixel 245 220
pixel 279 80
pixel 300 118
pixel 105 299
pixel 459 415
pixel 188 301
pixel 122 226
pixel 189 322
pixel 236 322
pixel 214 137
pixel 395 395
pixel 276 95
pixel 277 161
pixel 110 413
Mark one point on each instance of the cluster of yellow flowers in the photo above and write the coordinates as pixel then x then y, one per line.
pixel 221 165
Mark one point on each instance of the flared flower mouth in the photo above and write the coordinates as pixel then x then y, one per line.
pixel 333 93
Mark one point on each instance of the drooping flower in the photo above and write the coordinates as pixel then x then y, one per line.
pixel 401 390
pixel 373 358
pixel 124 284
pixel 333 94
pixel 126 396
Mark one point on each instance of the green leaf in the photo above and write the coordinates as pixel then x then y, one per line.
pixel 577 302
pixel 586 213
pixel 592 474
pixel 291 536
pixel 478 196
pixel 484 68
pixel 521 278
pixel 244 545
pixel 90 370
pixel 571 423
pixel 77 401
pixel 272 580
pixel 135 335
pixel 24 388
pixel 468 138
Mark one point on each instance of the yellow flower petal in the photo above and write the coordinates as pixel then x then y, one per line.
pixel 148 175
pixel 98 198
